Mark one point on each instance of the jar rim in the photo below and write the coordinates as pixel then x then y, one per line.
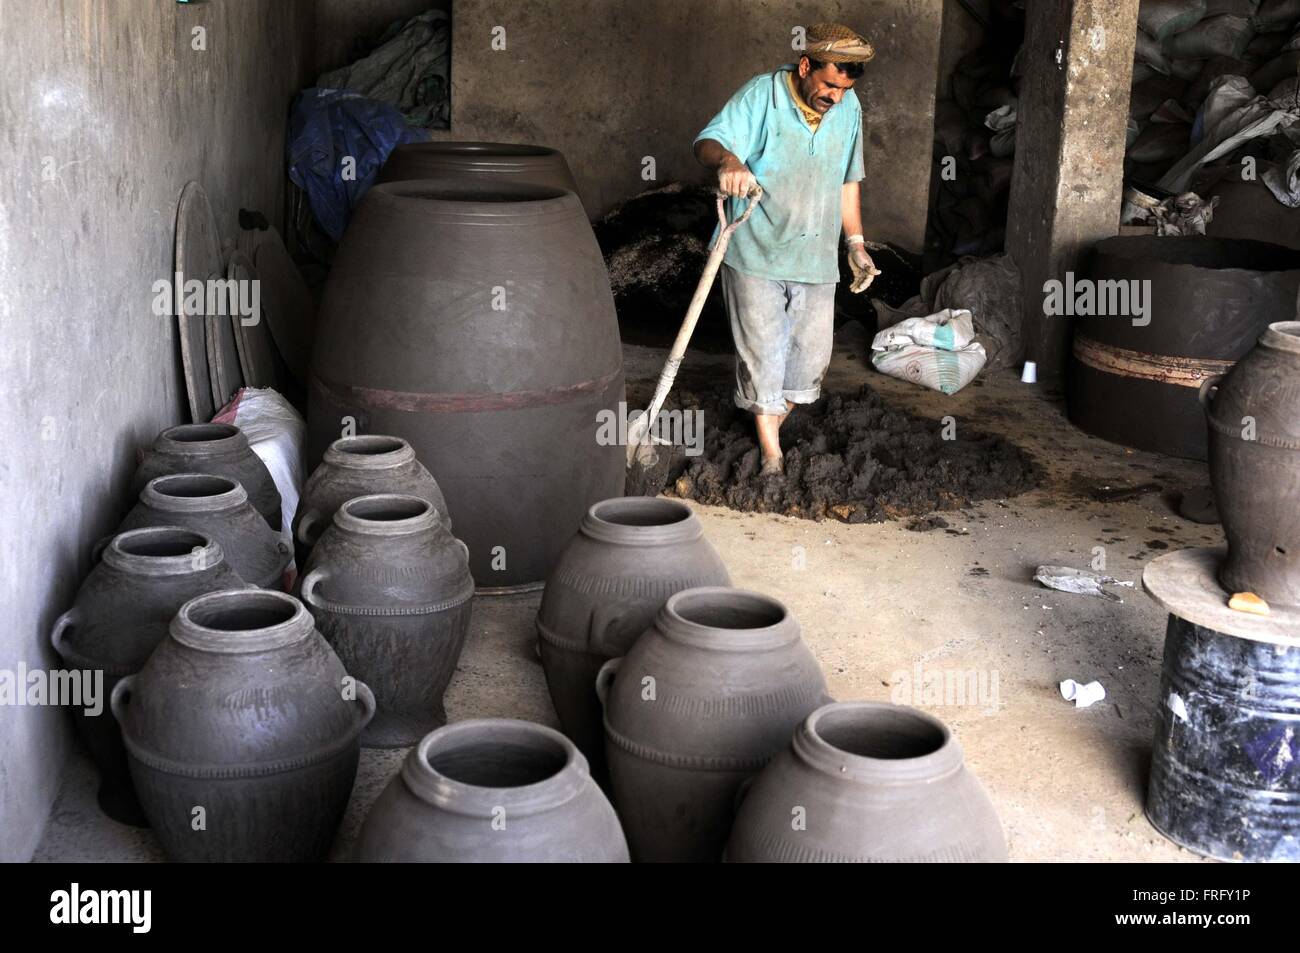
pixel 878 742
pixel 240 621
pixel 641 521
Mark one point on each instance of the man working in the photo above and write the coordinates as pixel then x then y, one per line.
pixel 798 134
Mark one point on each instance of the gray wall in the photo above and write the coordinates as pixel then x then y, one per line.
pixel 609 81
pixel 112 97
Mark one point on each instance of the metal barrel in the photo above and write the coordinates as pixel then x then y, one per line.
pixel 1225 773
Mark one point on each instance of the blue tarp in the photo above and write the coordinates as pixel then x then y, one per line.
pixel 325 127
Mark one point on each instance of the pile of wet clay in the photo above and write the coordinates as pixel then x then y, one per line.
pixel 847 457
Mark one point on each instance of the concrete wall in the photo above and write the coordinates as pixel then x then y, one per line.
pixel 105 112
pixel 609 82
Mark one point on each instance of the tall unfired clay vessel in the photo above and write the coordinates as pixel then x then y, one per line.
pixel 629 555
pixel 119 617
pixel 493 790
pixel 216 449
pixel 245 713
pixel 391 592
pixel 473 318
pixel 704 699
pixel 863 782
pixel 1253 414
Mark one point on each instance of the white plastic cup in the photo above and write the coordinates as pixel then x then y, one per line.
pixel 1030 373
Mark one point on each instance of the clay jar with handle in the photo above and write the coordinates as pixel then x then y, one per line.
pixel 864 782
pixel 118 618
pixel 391 591
pixel 218 507
pixel 217 449
pixel 493 791
pixel 629 555
pixel 1253 413
pixel 710 692
pixel 360 466
pixel 243 731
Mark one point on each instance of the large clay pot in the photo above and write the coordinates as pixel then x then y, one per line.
pixel 360 466
pixel 1205 300
pixel 864 782
pixel 1253 414
pixel 119 617
pixel 629 555
pixel 505 161
pixel 391 592
pixel 216 506
pixel 217 449
pixel 245 713
pixel 493 790
pixel 474 319
pixel 710 692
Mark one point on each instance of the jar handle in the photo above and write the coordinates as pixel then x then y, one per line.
pixel 605 678
pixel 97 550
pixel 309 518
pixel 1209 389
pixel 59 633
pixel 367 699
pixel 308 591
pixel 742 790
pixel 118 700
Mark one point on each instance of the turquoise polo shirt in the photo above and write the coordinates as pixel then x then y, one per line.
pixel 794 232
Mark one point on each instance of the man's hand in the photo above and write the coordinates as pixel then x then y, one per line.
pixel 863 268
pixel 734 178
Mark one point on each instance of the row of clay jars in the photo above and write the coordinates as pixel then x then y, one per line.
pixel 216 506
pixel 493 791
pixel 1253 413
pixel 242 731
pixel 629 555
pixel 119 616
pixel 391 591
pixel 217 450
pixel 360 466
pixel 865 782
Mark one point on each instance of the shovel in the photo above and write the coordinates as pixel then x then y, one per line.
pixel 640 446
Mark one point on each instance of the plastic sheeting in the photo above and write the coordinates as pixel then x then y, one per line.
pixel 328 127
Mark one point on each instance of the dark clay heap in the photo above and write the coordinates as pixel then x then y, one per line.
pixel 119 617
pixel 218 450
pixel 702 701
pixel 629 555
pixel 1254 431
pixel 493 791
pixel 391 592
pixel 474 319
pixel 863 782
pixel 243 731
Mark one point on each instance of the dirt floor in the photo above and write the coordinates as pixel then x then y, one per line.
pixel 889 609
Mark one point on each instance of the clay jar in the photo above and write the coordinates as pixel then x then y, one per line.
pixel 498 161
pixel 119 617
pixel 863 782
pixel 217 449
pixel 1253 414
pixel 493 791
pixel 218 507
pixel 391 591
pixel 360 466
pixel 629 555
pixel 710 692
pixel 244 712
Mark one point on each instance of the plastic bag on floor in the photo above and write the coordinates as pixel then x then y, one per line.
pixel 937 351
pixel 278 434
pixel 1164 18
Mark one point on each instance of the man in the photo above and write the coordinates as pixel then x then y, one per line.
pixel 797 133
